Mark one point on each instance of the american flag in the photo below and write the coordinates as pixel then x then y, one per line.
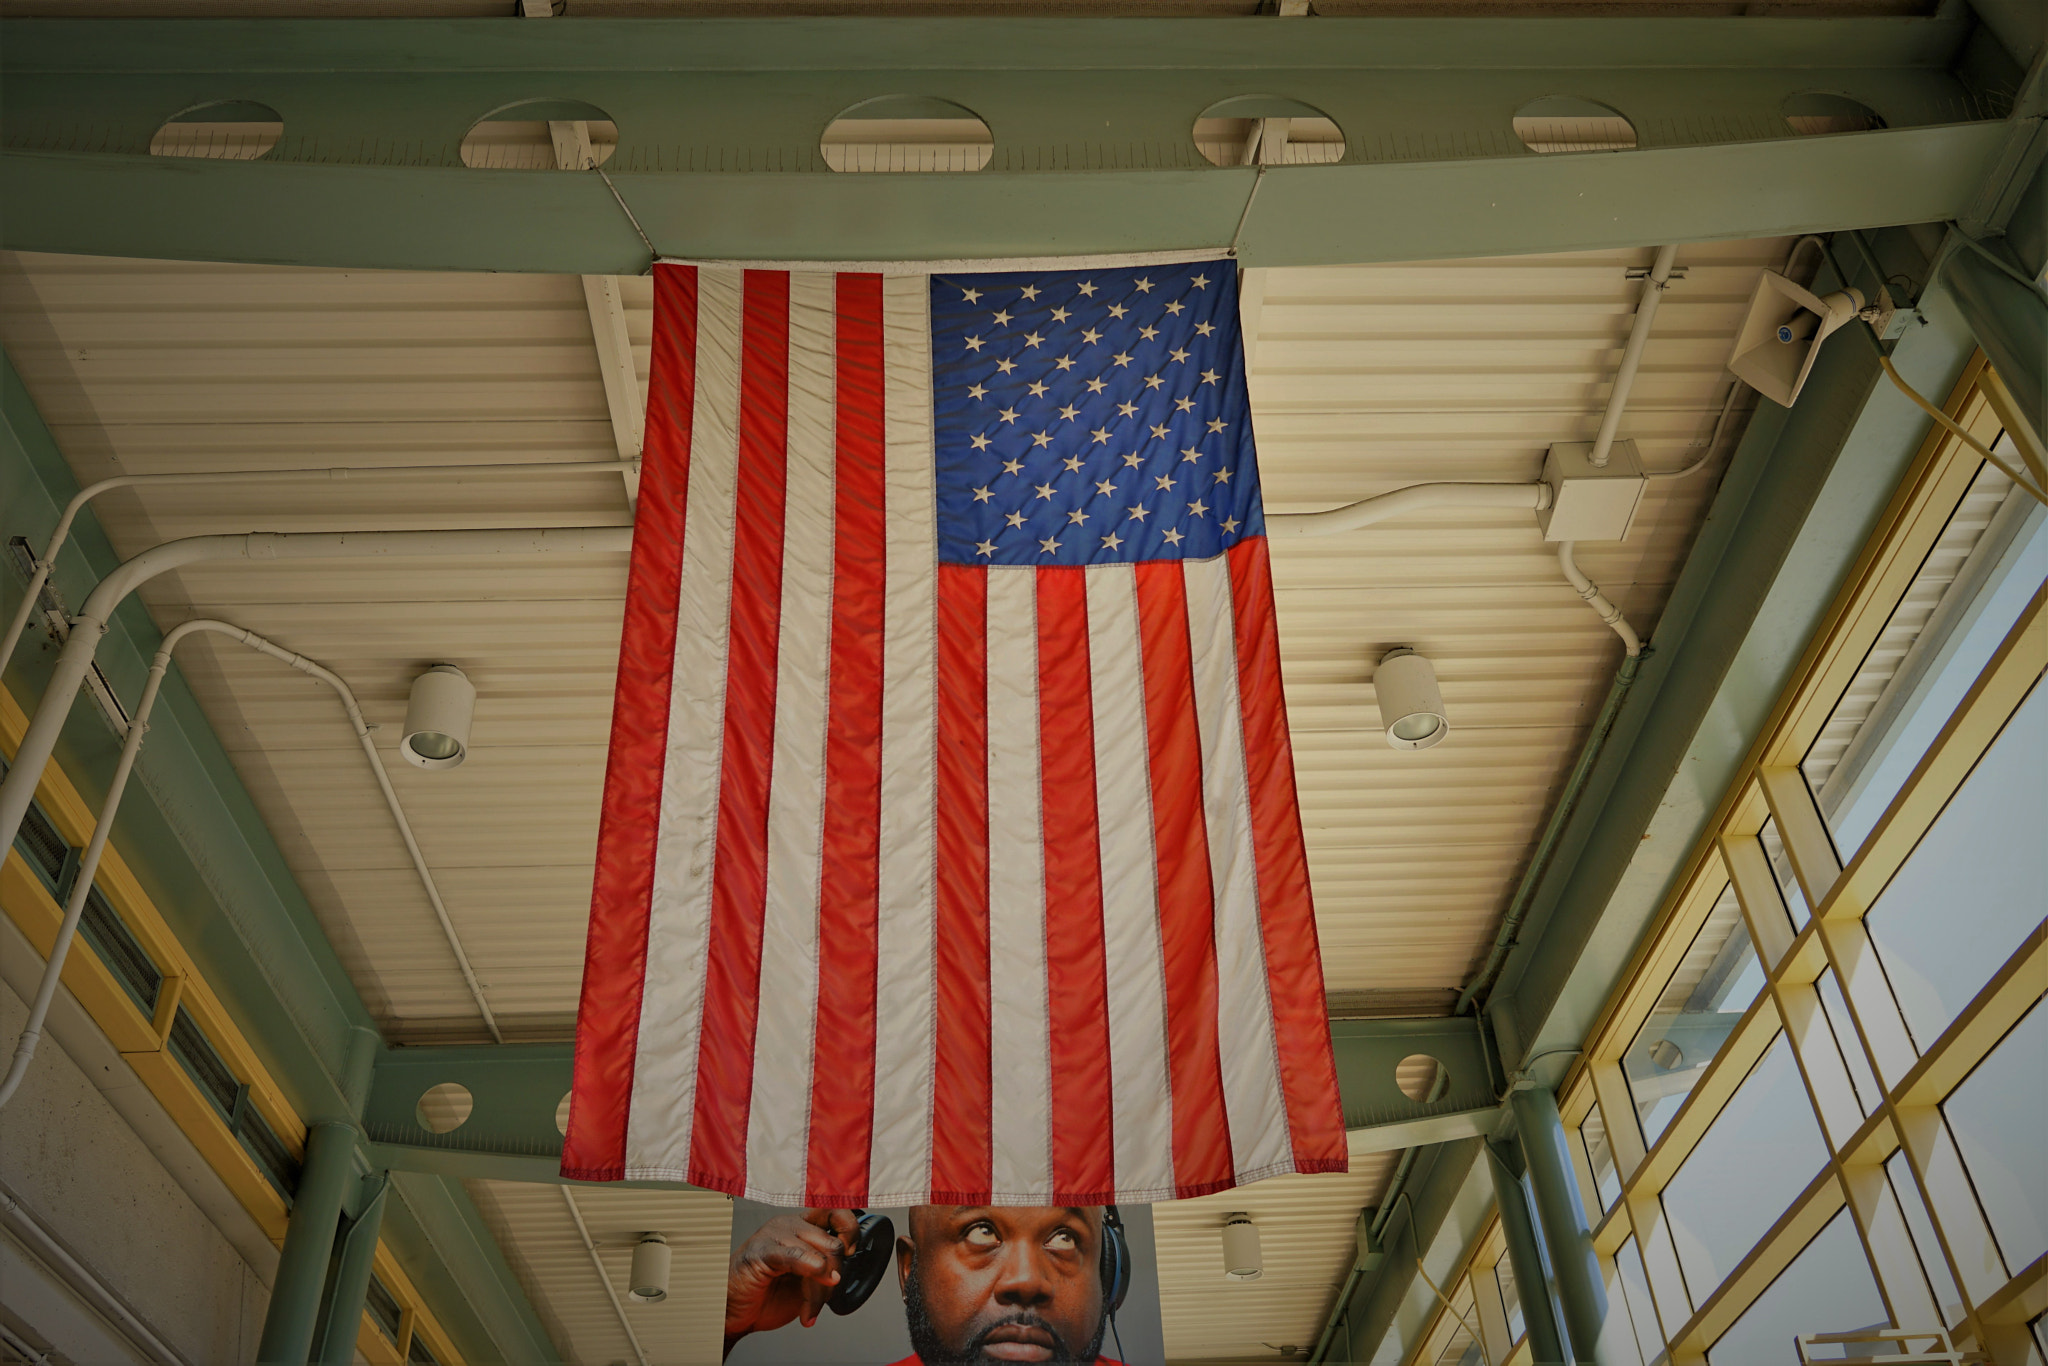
pixel 950 851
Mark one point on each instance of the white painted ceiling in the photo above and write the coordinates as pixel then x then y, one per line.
pixel 1364 379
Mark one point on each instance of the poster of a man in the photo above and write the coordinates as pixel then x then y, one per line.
pixel 976 1284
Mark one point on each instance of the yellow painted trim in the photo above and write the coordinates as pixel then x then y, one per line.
pixel 415 1317
pixel 74 821
pixel 375 1347
pixel 1811 1210
pixel 2024 1298
pixel 37 915
pixel 201 1122
pixel 1926 498
pixel 2013 673
pixel 1770 783
pixel 141 1040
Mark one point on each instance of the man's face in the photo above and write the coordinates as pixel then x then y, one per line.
pixel 984 1283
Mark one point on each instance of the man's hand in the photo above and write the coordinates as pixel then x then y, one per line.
pixel 786 1269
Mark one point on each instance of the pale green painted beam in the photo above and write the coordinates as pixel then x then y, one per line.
pixel 516 1089
pixel 455 219
pixel 719 125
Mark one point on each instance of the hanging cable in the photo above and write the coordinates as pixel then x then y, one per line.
pixel 2023 480
pixel 1713 441
pixel 652 254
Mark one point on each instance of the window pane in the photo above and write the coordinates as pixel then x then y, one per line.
pixel 1462 1349
pixel 1714 985
pixel 1827 1289
pixel 1600 1158
pixel 1971 892
pixel 1998 1116
pixel 1868 1094
pixel 1924 1242
pixel 1971 589
pixel 1510 1299
pixel 1635 1286
pixel 1760 1152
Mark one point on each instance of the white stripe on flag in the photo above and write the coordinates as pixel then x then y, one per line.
pixel 1259 1139
pixel 1020 1056
pixel 1140 1081
pixel 778 1124
pixel 899 1165
pixel 679 922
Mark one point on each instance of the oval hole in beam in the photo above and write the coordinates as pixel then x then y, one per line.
pixel 907 133
pixel 541 135
pixel 1421 1077
pixel 224 130
pixel 1267 130
pixel 1816 112
pixel 444 1107
pixel 1565 123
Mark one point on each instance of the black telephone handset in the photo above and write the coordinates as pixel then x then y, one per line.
pixel 874 1242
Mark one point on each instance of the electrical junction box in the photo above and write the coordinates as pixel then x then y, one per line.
pixel 1370 1254
pixel 1589 504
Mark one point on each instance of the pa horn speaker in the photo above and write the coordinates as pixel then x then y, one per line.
pixel 1782 332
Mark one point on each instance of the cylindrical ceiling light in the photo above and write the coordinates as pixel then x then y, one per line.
pixel 1411 707
pixel 1241 1259
pixel 437 718
pixel 650 1269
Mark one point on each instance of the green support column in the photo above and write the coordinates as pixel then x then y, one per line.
pixel 2009 320
pixel 1546 1346
pixel 351 1282
pixel 1565 1231
pixel 308 1244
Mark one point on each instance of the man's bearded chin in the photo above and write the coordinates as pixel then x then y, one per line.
pixel 924 1335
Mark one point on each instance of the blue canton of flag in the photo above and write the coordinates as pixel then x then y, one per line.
pixel 1091 417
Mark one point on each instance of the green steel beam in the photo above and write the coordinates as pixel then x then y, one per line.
pixel 515 1090
pixel 436 218
pixel 719 122
pixel 1439 1178
pixel 445 1247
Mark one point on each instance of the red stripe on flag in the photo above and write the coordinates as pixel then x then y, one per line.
pixel 1075 960
pixel 962 1144
pixel 843 1070
pixel 1301 1021
pixel 615 955
pixel 1202 1161
pixel 739 888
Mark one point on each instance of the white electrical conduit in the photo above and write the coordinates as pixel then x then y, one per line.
pixel 90 624
pixel 597 1263
pixel 1364 513
pixel 43 566
pixel 1596 600
pixel 1713 441
pixel 1632 354
pixel 89 861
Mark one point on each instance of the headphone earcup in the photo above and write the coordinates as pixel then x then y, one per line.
pixel 1116 1260
pixel 862 1271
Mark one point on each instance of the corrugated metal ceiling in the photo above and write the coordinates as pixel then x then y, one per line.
pixel 1364 379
